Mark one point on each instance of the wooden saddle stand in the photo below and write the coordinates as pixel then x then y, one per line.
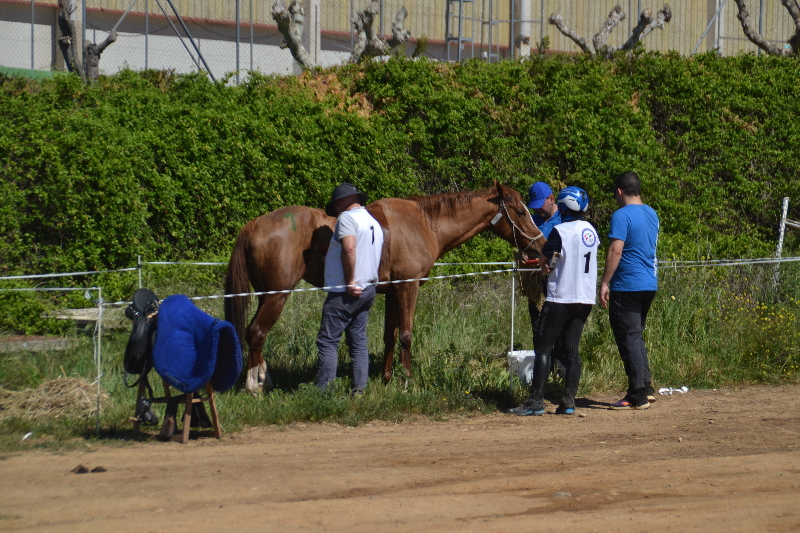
pixel 169 426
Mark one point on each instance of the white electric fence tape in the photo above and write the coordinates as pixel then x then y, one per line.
pixel 661 264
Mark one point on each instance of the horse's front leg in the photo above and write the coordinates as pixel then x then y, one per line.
pixel 407 301
pixel 391 323
pixel 269 309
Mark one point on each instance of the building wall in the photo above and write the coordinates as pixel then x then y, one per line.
pixel 486 30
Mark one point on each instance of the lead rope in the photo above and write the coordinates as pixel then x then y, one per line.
pixel 515 228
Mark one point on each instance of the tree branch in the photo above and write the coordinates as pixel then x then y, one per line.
pixel 614 17
pixel 643 28
pixel 290 23
pixel 794 12
pixel 400 35
pixel 647 24
pixel 558 22
pixel 755 37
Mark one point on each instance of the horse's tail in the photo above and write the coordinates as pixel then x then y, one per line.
pixel 237 281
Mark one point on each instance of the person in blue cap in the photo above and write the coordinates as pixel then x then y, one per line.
pixel 543 203
pixel 546 216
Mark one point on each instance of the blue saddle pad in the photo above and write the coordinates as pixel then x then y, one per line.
pixel 193 348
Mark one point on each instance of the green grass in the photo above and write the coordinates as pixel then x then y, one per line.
pixel 707 327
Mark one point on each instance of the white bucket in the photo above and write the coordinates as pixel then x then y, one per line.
pixel 520 362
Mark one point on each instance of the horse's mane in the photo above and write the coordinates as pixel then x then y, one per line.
pixel 450 204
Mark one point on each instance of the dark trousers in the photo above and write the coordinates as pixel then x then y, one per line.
pixel 627 312
pixel 557 356
pixel 559 322
pixel 344 313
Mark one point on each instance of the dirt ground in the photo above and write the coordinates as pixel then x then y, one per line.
pixel 722 460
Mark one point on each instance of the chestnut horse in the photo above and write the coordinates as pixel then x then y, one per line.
pixel 275 251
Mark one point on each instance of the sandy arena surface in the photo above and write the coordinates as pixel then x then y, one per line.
pixel 724 460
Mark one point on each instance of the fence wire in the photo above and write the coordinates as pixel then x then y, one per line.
pixel 237 36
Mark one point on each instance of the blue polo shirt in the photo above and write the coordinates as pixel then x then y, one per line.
pixel 636 225
pixel 546 226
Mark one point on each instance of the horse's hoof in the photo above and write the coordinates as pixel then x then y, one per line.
pixel 268 384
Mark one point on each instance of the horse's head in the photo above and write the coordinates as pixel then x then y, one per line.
pixel 513 222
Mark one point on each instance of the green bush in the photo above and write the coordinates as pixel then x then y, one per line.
pixel 171 167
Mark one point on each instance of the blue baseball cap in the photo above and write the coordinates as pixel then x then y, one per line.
pixel 537 194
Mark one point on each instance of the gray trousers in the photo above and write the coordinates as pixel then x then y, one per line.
pixel 348 314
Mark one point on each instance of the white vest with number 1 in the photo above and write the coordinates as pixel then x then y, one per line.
pixel 574 279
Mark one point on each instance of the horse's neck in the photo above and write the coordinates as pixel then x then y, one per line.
pixel 452 232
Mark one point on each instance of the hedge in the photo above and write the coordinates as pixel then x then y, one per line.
pixel 172 166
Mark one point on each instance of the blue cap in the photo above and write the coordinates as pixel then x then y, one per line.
pixel 537 194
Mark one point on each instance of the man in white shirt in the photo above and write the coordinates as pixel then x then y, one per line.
pixel 351 271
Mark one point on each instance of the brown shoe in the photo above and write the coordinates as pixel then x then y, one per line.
pixel 624 405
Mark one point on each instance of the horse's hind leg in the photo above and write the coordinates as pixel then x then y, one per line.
pixel 407 301
pixel 269 309
pixel 391 323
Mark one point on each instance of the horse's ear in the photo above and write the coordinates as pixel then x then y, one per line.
pixel 500 190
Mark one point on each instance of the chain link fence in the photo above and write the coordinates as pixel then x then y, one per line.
pixel 230 36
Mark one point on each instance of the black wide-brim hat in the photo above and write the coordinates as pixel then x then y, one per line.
pixel 342 191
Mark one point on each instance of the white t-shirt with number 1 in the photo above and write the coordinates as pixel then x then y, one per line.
pixel 369 244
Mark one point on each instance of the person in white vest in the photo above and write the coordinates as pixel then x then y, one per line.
pixel 351 272
pixel 571 250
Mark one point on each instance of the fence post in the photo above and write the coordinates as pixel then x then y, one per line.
pixel 251 35
pixel 33 33
pixel 83 30
pixel 513 309
pixel 512 37
pixel 238 39
pixel 98 355
pixel 139 269
pixel 146 33
pixel 779 249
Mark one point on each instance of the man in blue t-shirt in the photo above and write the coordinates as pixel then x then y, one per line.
pixel 629 285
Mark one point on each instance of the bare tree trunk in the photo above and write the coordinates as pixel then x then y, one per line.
pixel 290 21
pixel 646 24
pixel 91 56
pixel 69 40
pixel 367 42
pixel 82 59
pixel 757 39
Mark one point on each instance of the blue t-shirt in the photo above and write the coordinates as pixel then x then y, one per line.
pixel 637 226
pixel 546 226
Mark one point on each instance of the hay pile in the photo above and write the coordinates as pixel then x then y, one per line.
pixel 61 397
